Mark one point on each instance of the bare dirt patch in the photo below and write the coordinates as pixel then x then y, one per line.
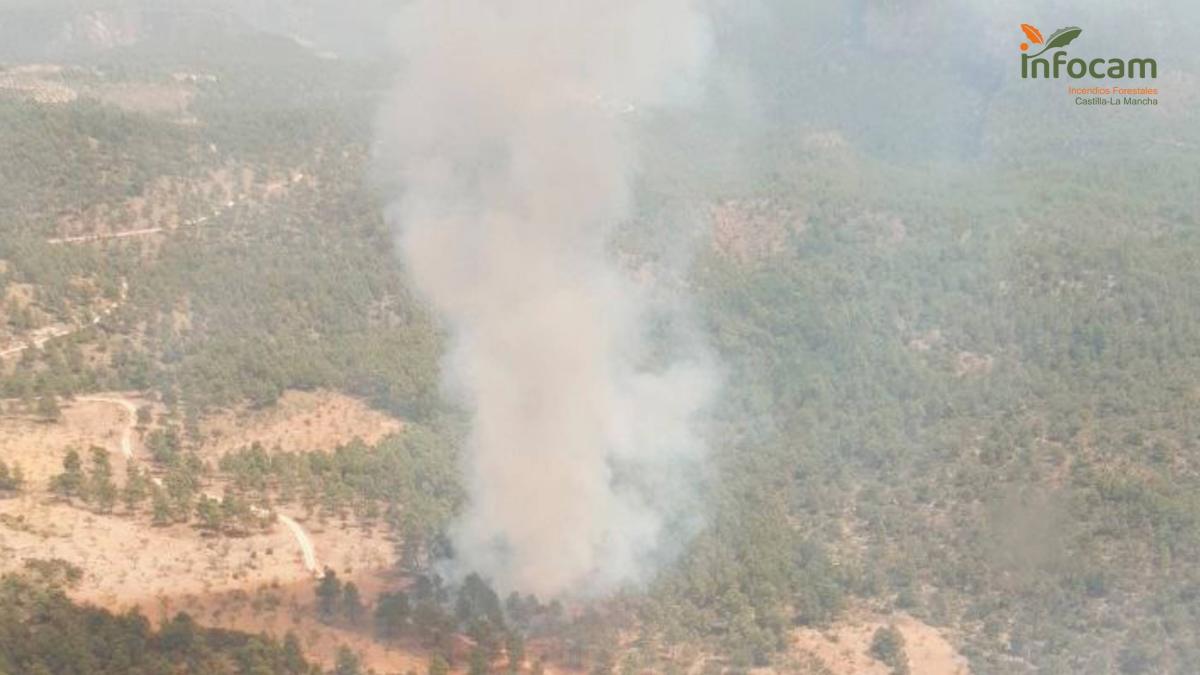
pixel 255 583
pixel 277 609
pixel 749 231
pixel 127 561
pixel 152 98
pixel 38 83
pixel 39 446
pixel 970 363
pixel 844 648
pixel 299 422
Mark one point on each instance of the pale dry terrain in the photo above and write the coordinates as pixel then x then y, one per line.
pixel 279 608
pixel 39 446
pixel 259 582
pixel 167 98
pixel 844 647
pixel 38 82
pixel 126 559
pixel 128 562
pixel 299 422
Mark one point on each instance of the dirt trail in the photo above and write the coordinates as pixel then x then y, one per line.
pixel 302 539
pixel 40 340
pixel 127 432
pixel 100 237
pixel 307 550
pixel 306 547
pixel 142 232
pixel 45 335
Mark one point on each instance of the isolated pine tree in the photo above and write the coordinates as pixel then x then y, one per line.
pixel 69 483
pixel 329 593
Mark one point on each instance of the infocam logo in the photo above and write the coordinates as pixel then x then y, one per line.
pixel 1035 65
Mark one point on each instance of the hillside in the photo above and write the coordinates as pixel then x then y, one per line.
pixel 959 362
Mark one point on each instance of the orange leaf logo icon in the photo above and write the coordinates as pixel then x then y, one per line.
pixel 1035 35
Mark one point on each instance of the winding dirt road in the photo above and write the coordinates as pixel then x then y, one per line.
pixel 307 550
pixel 306 547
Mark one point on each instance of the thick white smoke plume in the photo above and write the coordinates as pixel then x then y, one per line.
pixel 511 130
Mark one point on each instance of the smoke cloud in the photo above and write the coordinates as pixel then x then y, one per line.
pixel 512 136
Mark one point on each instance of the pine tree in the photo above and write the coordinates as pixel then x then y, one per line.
pixel 293 655
pixel 161 506
pixel 134 492
pixel 47 408
pixel 10 479
pixel 391 613
pixel 479 662
pixel 516 651
pixel 352 604
pixel 101 487
pixel 438 666
pixel 329 592
pixel 887 645
pixel 347 662
pixel 208 511
pixel 70 482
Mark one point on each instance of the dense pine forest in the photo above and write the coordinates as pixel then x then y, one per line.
pixel 42 631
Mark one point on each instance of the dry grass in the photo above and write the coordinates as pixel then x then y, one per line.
pixel 844 648
pixel 39 447
pixel 258 583
pixel 129 562
pixel 170 99
pixel 299 422
pixel 279 608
